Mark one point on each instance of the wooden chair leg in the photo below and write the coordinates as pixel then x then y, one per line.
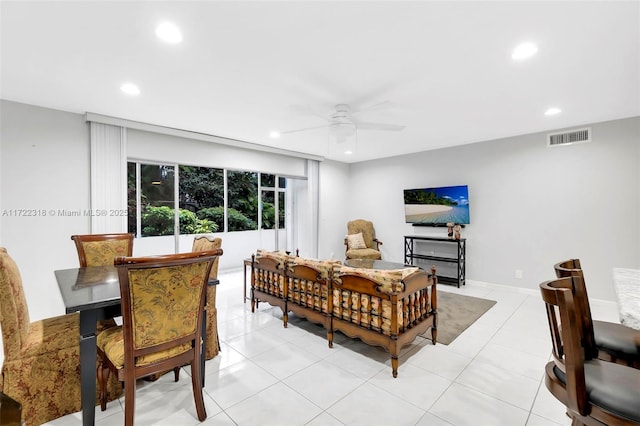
pixel 103 378
pixel 176 373
pixel 196 384
pixel 129 401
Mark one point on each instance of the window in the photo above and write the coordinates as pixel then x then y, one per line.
pixel 132 201
pixel 157 199
pixel 269 190
pixel 200 199
pixel 242 196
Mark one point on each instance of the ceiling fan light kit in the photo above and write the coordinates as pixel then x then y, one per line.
pixel 345 141
pixel 343 129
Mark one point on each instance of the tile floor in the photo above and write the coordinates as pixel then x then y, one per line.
pixel 492 374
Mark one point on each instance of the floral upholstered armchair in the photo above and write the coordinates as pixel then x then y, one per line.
pixel 41 367
pixel 361 241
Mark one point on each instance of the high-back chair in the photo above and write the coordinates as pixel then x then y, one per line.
pixel 41 367
pixel 594 391
pixel 202 243
pixel 361 241
pixel 162 311
pixel 607 340
pixel 102 249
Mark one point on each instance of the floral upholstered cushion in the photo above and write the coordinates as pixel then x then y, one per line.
pixel 390 280
pixel 207 242
pixel 368 311
pixel 111 342
pixel 280 256
pixel 367 253
pixel 51 334
pixel 101 253
pixel 14 312
pixel 164 301
pixel 362 226
pixel 204 243
pixel 322 266
pixel 356 241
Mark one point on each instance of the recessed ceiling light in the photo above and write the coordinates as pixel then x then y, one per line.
pixel 553 111
pixel 347 152
pixel 169 32
pixel 524 51
pixel 274 134
pixel 130 89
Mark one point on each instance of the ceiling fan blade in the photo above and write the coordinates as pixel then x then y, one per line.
pixel 374 107
pixel 379 126
pixel 306 110
pixel 304 129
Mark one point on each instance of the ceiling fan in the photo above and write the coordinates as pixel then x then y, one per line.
pixel 342 125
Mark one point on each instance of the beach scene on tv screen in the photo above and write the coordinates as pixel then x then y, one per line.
pixel 437 205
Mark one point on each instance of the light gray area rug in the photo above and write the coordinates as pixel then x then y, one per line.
pixel 456 313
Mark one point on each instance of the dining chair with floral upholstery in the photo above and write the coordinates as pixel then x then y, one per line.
pixel 162 311
pixel 202 243
pixel 101 249
pixel 41 367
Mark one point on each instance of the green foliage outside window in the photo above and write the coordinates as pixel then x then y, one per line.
pixel 242 188
pixel 237 221
pixel 268 216
pixel 160 220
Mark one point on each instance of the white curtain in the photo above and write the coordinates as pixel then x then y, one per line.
pixel 108 178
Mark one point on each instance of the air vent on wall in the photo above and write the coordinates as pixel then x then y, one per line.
pixel 569 137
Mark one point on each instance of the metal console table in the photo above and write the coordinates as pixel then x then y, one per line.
pixel 439 250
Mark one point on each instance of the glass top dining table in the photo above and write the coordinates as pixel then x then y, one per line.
pixel 94 292
pixel 88 288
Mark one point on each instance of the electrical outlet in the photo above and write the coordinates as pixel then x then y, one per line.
pixel 519 273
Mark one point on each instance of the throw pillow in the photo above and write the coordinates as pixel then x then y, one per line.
pixel 356 241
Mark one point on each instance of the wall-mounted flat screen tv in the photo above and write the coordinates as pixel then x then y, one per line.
pixel 437 206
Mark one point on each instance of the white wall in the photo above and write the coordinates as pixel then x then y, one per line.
pixel 336 193
pixel 45 169
pixel 157 147
pixel 530 206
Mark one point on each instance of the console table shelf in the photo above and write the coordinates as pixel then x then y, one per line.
pixel 446 254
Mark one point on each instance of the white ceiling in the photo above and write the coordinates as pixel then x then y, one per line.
pixel 443 69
